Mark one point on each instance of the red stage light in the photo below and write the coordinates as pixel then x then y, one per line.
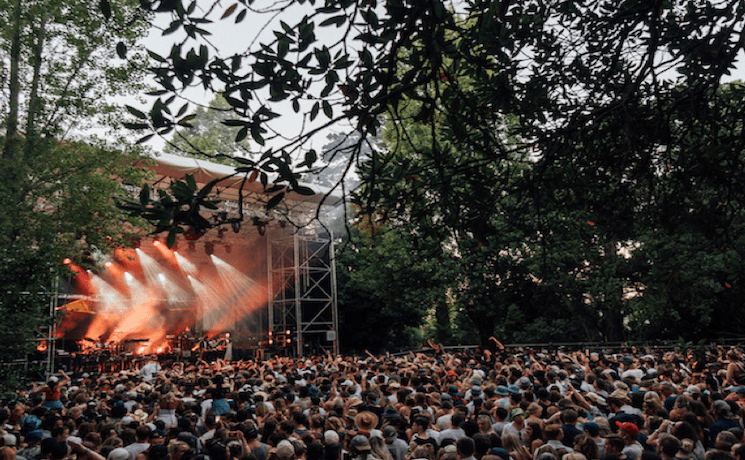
pixel 67 261
pixel 108 264
pixel 156 242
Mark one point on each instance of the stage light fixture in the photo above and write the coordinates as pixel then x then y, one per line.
pixel 156 243
pixel 220 232
pixel 67 261
pixel 209 248
pixel 236 226
pixel 282 223
pixel 261 228
pixel 191 234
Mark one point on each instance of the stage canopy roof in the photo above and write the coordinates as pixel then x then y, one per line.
pixel 232 185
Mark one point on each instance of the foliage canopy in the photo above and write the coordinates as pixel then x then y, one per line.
pixel 572 154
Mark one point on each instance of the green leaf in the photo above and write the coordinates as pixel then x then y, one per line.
pixel 327 109
pixel 302 190
pixel 144 139
pixel 105 8
pixel 338 21
pixel 121 50
pixel 135 126
pixel 241 16
pixel 275 200
pixel 182 110
pixel 172 28
pixel 242 134
pixel 191 182
pixel 145 195
pixel 156 56
pixel 137 113
pixel 171 239
pixel 314 111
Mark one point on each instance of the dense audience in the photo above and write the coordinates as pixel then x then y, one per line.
pixel 496 404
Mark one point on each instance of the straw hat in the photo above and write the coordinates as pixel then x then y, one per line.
pixel 366 420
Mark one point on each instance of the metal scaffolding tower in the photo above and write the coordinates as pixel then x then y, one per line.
pixel 302 295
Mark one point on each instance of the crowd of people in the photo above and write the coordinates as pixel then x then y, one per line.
pixel 504 404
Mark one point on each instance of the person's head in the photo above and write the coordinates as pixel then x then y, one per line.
pixel 546 452
pixel 569 416
pixel 738 451
pixel 716 454
pixel 614 445
pixel 668 446
pixel 533 431
pixel 484 423
pixel 481 444
pixel 360 445
pixel 573 456
pixel 420 423
pixel 587 446
pixel 177 449
pixel 465 447
pixel 425 451
pixel 553 432
pixel 511 442
pixel 684 430
pixel 725 440
pixel 157 438
pixel 378 448
pixel 142 433
pixel 534 410
pixel 285 450
pixel 628 431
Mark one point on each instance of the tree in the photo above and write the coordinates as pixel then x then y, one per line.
pixel 600 98
pixel 207 136
pixel 57 191
pixel 386 290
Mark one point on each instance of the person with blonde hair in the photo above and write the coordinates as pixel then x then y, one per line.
pixel 533 414
pixel 511 443
pixel 379 449
pixel 573 456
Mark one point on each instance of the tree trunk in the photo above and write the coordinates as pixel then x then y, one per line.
pixel 14 85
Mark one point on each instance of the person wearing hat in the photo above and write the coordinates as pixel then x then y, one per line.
pixel 360 448
pixel 517 425
pixel 504 397
pixel 629 432
pixel 395 445
pixel 120 453
pixel 723 419
pixel 367 421
pixel 592 430
pixel 285 450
